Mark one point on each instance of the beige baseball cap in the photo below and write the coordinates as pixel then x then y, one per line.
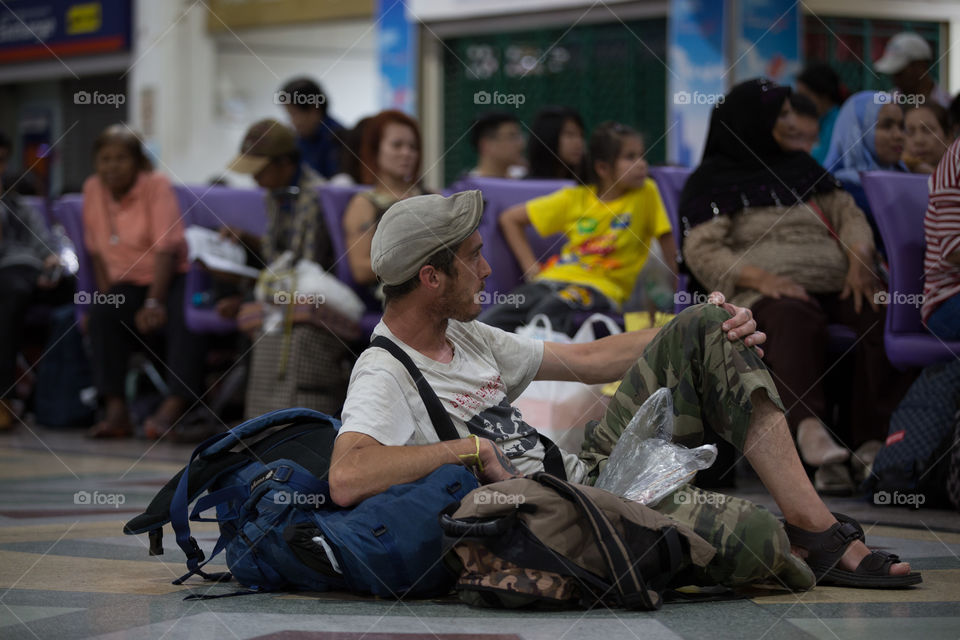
pixel 414 229
pixel 901 50
pixel 264 141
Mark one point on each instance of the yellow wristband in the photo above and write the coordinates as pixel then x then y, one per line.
pixel 472 459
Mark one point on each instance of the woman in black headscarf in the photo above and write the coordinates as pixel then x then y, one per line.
pixel 774 231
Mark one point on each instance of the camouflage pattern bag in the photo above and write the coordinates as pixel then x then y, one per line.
pixel 543 542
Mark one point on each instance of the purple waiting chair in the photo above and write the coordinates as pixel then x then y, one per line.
pixel 334 201
pixel 670 181
pixel 68 211
pixel 899 202
pixel 214 207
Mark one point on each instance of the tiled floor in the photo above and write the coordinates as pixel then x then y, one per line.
pixel 66 571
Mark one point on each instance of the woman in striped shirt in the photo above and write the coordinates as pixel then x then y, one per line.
pixel 941 226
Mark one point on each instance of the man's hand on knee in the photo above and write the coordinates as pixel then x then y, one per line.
pixel 741 325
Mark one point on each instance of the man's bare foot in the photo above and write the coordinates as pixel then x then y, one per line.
pixel 816 446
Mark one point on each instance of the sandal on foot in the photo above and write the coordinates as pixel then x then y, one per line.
pixel 824 550
pixel 105 430
pixel 155 428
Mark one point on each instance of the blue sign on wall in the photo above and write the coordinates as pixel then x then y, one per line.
pixel 41 29
pixel 398 57
pixel 696 75
pixel 768 42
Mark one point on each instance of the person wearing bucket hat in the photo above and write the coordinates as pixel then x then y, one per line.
pixel 427 251
pixel 908 58
pixel 314 376
pixel 295 221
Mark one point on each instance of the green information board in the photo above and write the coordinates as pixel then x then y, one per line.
pixel 609 71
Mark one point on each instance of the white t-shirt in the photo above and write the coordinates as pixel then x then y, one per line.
pixel 489 370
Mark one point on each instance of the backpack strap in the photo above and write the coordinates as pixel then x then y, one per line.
pixel 632 591
pixel 552 458
pixel 442 423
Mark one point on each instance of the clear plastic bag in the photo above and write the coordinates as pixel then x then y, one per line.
pixel 644 465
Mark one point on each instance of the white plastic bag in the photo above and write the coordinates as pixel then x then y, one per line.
pixel 306 283
pixel 645 466
pixel 216 252
pixel 561 409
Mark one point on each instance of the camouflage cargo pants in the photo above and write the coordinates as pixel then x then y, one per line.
pixel 712 380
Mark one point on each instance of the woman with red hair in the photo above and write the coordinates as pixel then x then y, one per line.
pixel 390 161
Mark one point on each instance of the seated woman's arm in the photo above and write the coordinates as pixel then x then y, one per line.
pixel 359 225
pixel 710 258
pixel 856 239
pixel 513 223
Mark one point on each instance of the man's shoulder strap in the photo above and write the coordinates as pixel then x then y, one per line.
pixel 553 458
pixel 442 423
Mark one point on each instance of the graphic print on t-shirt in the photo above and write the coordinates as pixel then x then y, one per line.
pixel 503 424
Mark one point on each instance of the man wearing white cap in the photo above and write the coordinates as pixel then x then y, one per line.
pixel 909 58
pixel 427 253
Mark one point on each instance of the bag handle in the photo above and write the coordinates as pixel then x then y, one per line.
pixel 586 334
pixel 542 329
pixel 631 589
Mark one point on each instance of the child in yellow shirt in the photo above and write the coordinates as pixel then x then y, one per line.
pixel 609 225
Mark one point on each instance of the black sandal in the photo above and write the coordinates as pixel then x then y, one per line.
pixel 824 550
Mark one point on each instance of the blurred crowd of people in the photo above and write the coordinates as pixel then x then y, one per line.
pixel 774 217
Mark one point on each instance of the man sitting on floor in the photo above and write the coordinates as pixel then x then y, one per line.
pixel 427 253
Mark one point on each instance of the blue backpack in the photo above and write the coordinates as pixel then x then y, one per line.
pixel 281 531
